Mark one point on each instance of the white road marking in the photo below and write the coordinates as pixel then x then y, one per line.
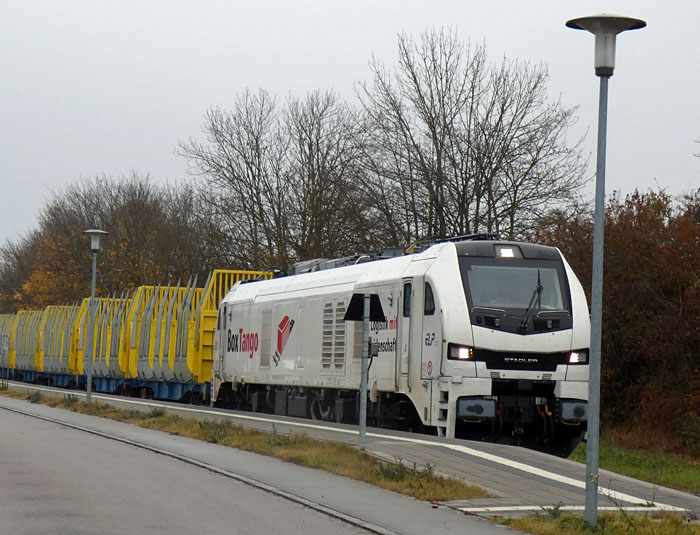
pixel 612 494
pixel 538 508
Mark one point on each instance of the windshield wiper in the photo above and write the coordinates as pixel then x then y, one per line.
pixel 536 298
pixel 557 312
pixel 489 310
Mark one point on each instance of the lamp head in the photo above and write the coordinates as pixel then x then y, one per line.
pixel 95 235
pixel 605 27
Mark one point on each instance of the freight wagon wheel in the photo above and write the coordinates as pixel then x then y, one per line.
pixel 321 409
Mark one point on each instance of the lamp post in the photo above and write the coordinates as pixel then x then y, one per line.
pixel 364 368
pixel 95 235
pixel 605 28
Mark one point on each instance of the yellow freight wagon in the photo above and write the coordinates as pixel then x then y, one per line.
pixel 154 342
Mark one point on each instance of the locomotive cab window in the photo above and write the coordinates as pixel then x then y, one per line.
pixel 429 302
pixel 406 299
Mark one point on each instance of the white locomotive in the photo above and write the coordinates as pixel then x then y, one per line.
pixel 479 334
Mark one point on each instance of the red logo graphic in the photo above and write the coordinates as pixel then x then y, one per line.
pixel 284 329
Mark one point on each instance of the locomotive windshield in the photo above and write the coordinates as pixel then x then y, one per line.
pixel 513 287
pixel 516 294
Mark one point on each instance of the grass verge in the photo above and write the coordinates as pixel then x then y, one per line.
pixel 676 471
pixel 608 524
pixel 417 481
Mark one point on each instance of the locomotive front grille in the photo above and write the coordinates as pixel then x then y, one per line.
pixel 502 360
pixel 519 387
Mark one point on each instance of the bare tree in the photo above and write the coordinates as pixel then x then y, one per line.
pixel 16 261
pixel 323 166
pixel 195 241
pixel 243 177
pixel 458 146
pixel 156 234
pixel 284 179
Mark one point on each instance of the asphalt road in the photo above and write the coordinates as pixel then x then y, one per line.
pixel 56 480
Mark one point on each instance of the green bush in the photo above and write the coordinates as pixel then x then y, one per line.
pixel 213 432
pixel 398 471
pixel 280 441
pixel 70 401
pixel 156 413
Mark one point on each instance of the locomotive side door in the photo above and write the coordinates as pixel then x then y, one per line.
pixel 431 347
pixel 219 351
pixel 405 326
pixel 410 321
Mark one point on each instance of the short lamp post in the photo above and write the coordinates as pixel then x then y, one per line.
pixel 605 28
pixel 95 235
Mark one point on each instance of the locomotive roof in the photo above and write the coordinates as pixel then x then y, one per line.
pixel 487 248
pixel 376 272
pixel 330 280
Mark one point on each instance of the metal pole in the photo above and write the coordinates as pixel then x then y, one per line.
pixel 592 446
pixel 365 360
pixel 5 351
pixel 91 328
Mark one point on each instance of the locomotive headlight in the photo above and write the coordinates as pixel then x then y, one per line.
pixel 508 251
pixel 460 352
pixel 578 357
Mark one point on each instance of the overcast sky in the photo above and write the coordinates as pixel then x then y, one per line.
pixel 108 87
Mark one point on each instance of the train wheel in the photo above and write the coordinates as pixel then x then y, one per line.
pixel 321 409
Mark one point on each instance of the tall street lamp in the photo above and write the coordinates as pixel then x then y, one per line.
pixel 605 28
pixel 95 235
